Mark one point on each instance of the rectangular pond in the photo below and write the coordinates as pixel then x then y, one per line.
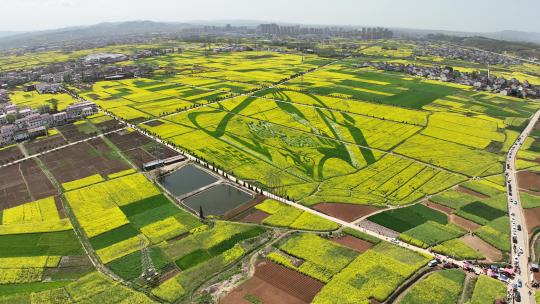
pixel 218 200
pixel 186 179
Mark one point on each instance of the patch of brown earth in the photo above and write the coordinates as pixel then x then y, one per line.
pixel 491 253
pixel 439 207
pixel 273 283
pixel 169 274
pixel 353 243
pixel 244 207
pixel 532 218
pixel 255 217
pixel 345 212
pixel 530 181
pixel 463 222
pixel 471 192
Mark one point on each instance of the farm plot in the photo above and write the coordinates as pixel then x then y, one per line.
pixel 139 148
pixel 34 217
pixel 431 233
pixel 202 254
pixel 282 215
pixel 451 156
pixel 24 182
pixel 488 290
pixel 233 141
pixel 92 288
pixel 459 250
pixel 125 215
pixel 37 101
pixel 9 154
pixel 322 259
pixel 403 219
pixel 83 160
pixel 373 274
pixel 144 98
pixel 442 287
pixel 273 283
pixel 372 86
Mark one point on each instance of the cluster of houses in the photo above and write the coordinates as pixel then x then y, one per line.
pixel 91 68
pixel 472 55
pixel 18 124
pixel 480 81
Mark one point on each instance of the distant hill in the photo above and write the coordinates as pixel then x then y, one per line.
pixel 8 33
pixel 85 33
pixel 514 36
pixel 105 31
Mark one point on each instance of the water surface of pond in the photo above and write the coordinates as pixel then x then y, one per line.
pixel 218 200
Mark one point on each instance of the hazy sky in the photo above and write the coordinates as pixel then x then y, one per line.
pixel 465 15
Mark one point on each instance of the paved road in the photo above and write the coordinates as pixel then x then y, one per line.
pixel 520 238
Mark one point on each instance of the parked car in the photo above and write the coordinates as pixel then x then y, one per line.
pixel 433 263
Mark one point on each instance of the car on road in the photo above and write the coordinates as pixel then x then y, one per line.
pixel 433 263
pixel 519 227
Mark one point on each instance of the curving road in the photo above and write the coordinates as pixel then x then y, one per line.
pixel 520 238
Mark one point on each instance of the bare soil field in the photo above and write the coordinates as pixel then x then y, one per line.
pixel 530 181
pixel 23 182
pixel 254 216
pixel 471 192
pixel 353 243
pixel 72 133
pixel 154 123
pixel 273 283
pixel 345 212
pixel 109 126
pixel 463 222
pixel 82 160
pixel 10 154
pixel 139 148
pixel 38 183
pixel 47 143
pixel 491 253
pixel 13 191
pixel 532 217
pixel 438 207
